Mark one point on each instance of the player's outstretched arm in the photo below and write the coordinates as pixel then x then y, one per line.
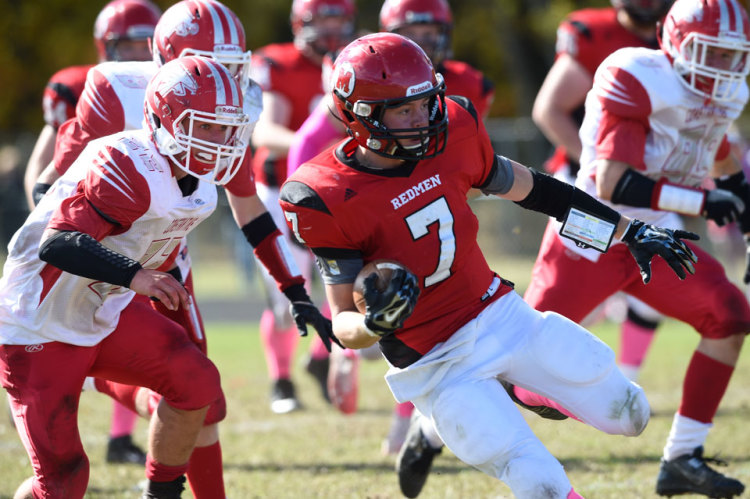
pixel 596 223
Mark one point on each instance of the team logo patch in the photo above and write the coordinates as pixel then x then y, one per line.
pixel 34 348
pixel 344 79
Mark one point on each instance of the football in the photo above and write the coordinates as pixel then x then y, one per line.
pixel 384 270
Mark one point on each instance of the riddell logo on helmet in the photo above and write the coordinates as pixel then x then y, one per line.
pixel 227 49
pixel 419 88
pixel 228 110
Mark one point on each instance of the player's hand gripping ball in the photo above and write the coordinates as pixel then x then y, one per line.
pixel 386 292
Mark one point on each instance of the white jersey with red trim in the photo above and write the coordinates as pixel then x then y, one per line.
pixel 121 178
pixel 639 112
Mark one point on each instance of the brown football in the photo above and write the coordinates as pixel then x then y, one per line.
pixel 384 270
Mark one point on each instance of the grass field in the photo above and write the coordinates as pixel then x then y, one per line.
pixel 320 453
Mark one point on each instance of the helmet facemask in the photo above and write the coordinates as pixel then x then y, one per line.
pixel 231 56
pixel 691 62
pixel 429 140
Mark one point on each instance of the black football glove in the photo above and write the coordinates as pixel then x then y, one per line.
pixel 304 312
pixel 387 310
pixel 722 207
pixel 645 240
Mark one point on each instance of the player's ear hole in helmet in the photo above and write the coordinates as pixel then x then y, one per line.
pixel 382 71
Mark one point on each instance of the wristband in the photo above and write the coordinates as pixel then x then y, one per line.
pixel 678 198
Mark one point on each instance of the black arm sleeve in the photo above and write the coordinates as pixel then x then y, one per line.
pixel 38 191
pixel 554 198
pixel 634 189
pixel 80 254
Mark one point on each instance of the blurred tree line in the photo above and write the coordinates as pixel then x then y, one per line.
pixel 512 41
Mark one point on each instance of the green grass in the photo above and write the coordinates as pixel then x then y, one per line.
pixel 320 453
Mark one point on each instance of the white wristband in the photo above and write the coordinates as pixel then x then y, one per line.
pixel 679 199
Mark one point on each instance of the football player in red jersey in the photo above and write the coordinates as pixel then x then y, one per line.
pixel 290 75
pixel 655 128
pixel 584 39
pixel 106 231
pixel 397 189
pixel 121 33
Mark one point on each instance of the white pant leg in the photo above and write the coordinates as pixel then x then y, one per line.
pixel 277 302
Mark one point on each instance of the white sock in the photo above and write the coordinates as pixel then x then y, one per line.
pixel 686 434
pixel 429 432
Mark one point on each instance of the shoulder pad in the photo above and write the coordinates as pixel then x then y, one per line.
pixel 466 104
pixel 300 194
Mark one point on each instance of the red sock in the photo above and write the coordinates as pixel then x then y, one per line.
pixel 404 409
pixel 706 380
pixel 205 473
pixel 531 398
pixel 157 472
pixel 124 394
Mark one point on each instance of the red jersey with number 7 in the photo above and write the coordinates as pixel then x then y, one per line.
pixel 417 214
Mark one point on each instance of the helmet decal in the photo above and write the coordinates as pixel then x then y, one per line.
pixel 344 79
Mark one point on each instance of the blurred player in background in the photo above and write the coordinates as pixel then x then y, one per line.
pixel 584 39
pixel 397 189
pixel 290 75
pixel 113 100
pixel 655 127
pixel 121 33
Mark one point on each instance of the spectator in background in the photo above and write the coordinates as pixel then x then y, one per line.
pixel 121 33
pixel 584 39
pixel 290 75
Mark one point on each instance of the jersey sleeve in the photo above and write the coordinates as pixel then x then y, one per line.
pixel 69 143
pixel 112 194
pixel 99 110
pixel 58 101
pixel 243 182
pixel 625 111
pixel 575 39
pixel 312 223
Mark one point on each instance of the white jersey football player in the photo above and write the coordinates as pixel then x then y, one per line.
pixel 655 128
pixel 107 230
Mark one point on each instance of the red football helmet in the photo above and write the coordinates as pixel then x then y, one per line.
pixel 203 27
pixel 186 92
pixel 307 14
pixel 397 14
pixel 708 42
pixel 644 12
pixel 122 20
pixel 386 70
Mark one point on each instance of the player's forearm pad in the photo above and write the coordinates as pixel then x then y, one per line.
pixel 80 254
pixel 554 197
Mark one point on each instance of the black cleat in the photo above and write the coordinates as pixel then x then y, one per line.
pixel 318 369
pixel 123 450
pixel 689 474
pixel 414 460
pixel 541 410
pixel 164 490
pixel 283 398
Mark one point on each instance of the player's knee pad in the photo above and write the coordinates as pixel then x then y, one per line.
pixel 195 384
pixel 633 410
pixel 216 412
pixel 69 480
pixel 568 352
pixel 536 476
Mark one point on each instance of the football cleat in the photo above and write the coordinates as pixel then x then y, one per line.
pixel 690 474
pixel 164 490
pixel 415 460
pixel 541 410
pixel 318 369
pixel 123 450
pixel 283 398
pixel 343 380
